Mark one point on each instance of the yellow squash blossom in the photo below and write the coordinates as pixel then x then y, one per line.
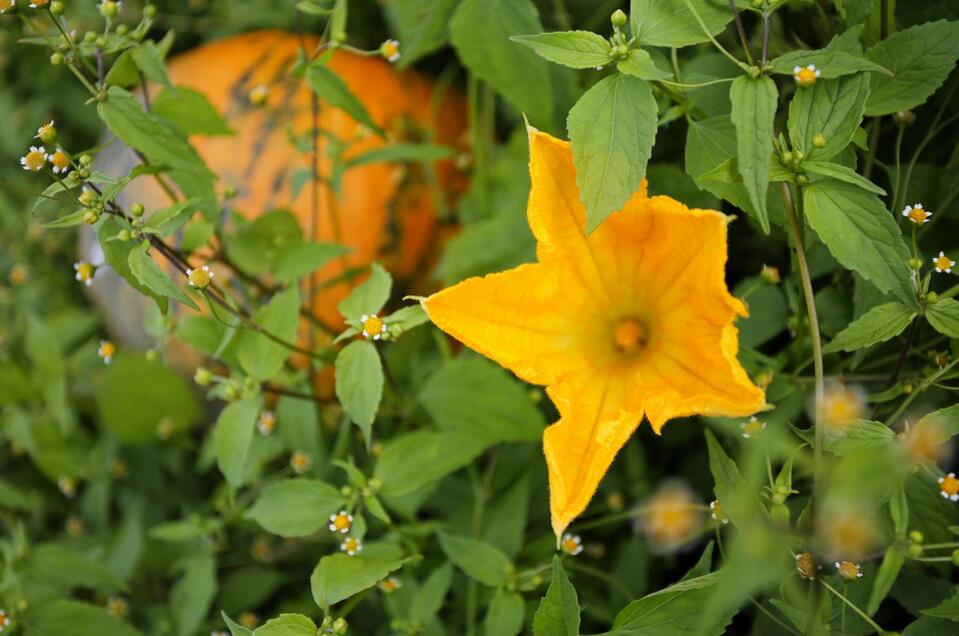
pixel 634 320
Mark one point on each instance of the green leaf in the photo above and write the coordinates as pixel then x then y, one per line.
pixel 149 59
pixel 302 259
pixel 190 111
pixel 75 618
pixel 480 32
pixel 575 49
pixel 368 297
pixel 671 23
pixel 859 436
pixel 261 357
pixel 429 598
pixel 892 562
pixel 861 234
pixel 359 383
pixel 741 505
pixel 558 612
pixel 193 593
pixel 833 108
pixel 145 269
pixel 612 129
pixel 235 629
pixel 134 395
pixel 422 26
pixel 639 63
pixel 400 153
pixel 944 317
pixel 331 88
pixel 70 220
pixel 879 324
pixel 232 438
pixel 168 220
pixel 842 173
pixel 677 610
pixel 337 577
pixel 478 559
pixel 407 318
pixel 65 569
pixel 920 57
pixel 753 115
pixel 948 608
pixel 505 614
pixel 295 507
pixel 413 460
pixel 287 625
pixel 473 395
pixel 829 63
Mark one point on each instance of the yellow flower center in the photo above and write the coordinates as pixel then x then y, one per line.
pixel 60 160
pixel 351 544
pixel 341 522
pixel 848 570
pixel 372 326
pixel 806 76
pixel 943 262
pixel 917 215
pixel 6 5
pixel 35 160
pixel 806 566
pixel 570 545
pixel 842 406
pixel 629 336
pixel 300 462
pixel 84 271
pixel 389 585
pixel 199 278
pixel 949 485
pixel 107 349
pixel 391 49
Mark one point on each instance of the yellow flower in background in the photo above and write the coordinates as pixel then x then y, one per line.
pixel 671 517
pixel 632 321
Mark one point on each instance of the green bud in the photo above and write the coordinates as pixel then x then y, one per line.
pixel 779 497
pixel 57 8
pixel 340 626
pixel 86 160
pixel 759 4
pixel 89 198
pixel 203 376
pixel 229 192
pixel 819 140
pixel 152 355
pixel 955 558
pixel 914 550
pixel 376 484
pixel 802 180
pixel 122 29
pixel 904 118
pixel 915 263
pixel 618 18
pixel 787 158
pixel 124 235
pixel 48 134
pixel 932 298
pixel 754 71
pixel 108 9
pixel 620 50
pixel 800 155
pixel 346 491
pixel 91 216
pixel 84 173
pixel 90 37
pixel 101 42
pixel 56 59
pixel 136 209
pixel 916 536
pixel 149 11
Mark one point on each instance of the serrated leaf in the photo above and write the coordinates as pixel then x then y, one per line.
pixel 261 357
pixel 877 325
pixel 671 23
pixel 861 234
pixel 558 612
pixel 480 32
pixel 331 89
pixel 145 269
pixel 422 26
pixel 287 625
pixel 639 63
pixel 842 173
pixel 612 129
pixel 478 559
pixel 833 108
pixel 367 297
pixel 677 610
pixel 920 57
pixel 149 59
pixel 829 63
pixel 359 383
pixel 944 317
pixel 575 49
pixel 295 507
pixel 190 111
pixel 337 577
pixel 413 460
pixel 232 438
pixel 753 115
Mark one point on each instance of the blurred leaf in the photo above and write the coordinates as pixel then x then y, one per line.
pixel 671 23
pixel 287 625
pixel 558 612
pixel 193 593
pixel 949 608
pixel 151 276
pixel 930 626
pixel 920 57
pixel 337 577
pixel 302 259
pixel 331 89
pixel 741 505
pixel 235 629
pixel 480 32
pixel 369 297
pixel 753 114
pixel 944 316
pixel 134 395
pixel 612 129
pixel 575 49
pixel 232 437
pixel 58 566
pixel 422 26
pixel 505 614
pixel 295 507
pixel 478 559
pixel 149 59
pixel 249 586
pixel 261 357
pixel 861 234
pixel 877 325
pixel 474 395
pixel 359 383
pixel 768 311
pixel 431 595
pixel 414 460
pixel 400 153
pixel 75 618
pixel 892 563
pixel 190 111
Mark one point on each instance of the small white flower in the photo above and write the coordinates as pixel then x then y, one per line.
pixel 943 263
pixel 35 159
pixel 916 213
pixel 341 522
pixel 351 545
pixel 571 544
pixel 200 278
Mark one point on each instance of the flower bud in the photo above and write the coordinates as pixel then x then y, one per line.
pixel 754 71
pixel 802 180
pixel 149 11
pixel 57 8
pixel 91 216
pixel 89 198
pixel 108 9
pixel 124 235
pixel 787 158
pixel 90 37
pixel 618 18
pixel 136 209
pixel 770 274
pixel 916 536
pixel 904 118
pixel 203 376
pixel 620 50
pixel 101 42
pixel 915 263
pixel 122 29
pixel 56 59
pixel 955 558
pixel 259 95
pixel 932 298
pixel 914 550
pixel 819 140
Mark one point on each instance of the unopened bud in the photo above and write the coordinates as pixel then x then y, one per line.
pixel 955 558
pixel 932 298
pixel 618 18
pixel 904 118
pixel 915 263
pixel 819 140
pixel 56 59
pixel 916 536
pixel 91 216
pixel 124 235
pixel 202 376
pixel 136 209
pixel 122 29
pixel 108 9
pixel 149 11
pixel 56 8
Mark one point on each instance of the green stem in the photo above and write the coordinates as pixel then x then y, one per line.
pixel 715 42
pixel 896 189
pixel 864 616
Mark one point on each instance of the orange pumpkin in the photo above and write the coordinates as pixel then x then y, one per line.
pixel 385 212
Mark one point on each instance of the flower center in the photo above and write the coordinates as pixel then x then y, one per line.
pixel 943 262
pixel 35 160
pixel 917 215
pixel 949 485
pixel 629 336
